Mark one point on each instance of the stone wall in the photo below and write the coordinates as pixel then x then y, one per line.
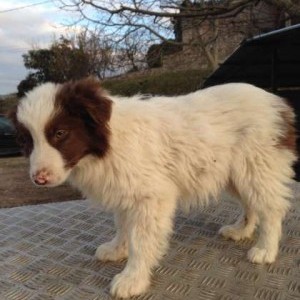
pixel 184 60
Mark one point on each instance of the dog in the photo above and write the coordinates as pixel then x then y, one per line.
pixel 143 159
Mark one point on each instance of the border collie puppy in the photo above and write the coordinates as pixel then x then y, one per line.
pixel 144 159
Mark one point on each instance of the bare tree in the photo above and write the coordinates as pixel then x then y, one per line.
pixel 131 51
pixel 99 50
pixel 122 19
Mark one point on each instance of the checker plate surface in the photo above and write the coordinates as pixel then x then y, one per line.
pixel 47 252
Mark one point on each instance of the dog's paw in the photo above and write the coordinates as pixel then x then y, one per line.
pixel 233 233
pixel 125 285
pixel 261 256
pixel 110 252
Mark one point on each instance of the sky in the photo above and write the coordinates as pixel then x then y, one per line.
pixel 22 29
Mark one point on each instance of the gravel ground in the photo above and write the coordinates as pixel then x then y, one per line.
pixel 16 188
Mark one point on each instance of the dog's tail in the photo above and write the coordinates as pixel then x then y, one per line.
pixel 288 138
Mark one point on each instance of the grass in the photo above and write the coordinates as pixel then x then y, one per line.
pixel 167 83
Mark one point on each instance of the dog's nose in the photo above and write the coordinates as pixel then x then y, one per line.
pixel 41 177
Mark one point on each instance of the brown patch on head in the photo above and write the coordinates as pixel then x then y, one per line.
pixel 23 136
pixel 80 124
pixel 289 137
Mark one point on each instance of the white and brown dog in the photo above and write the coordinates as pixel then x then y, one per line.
pixel 143 159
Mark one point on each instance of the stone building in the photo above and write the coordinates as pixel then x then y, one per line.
pixel 207 42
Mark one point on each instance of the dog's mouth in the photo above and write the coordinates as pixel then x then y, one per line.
pixel 46 184
pixel 47 178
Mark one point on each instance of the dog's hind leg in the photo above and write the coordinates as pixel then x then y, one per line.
pixel 261 179
pixel 266 248
pixel 151 222
pixel 245 225
pixel 269 198
pixel 117 248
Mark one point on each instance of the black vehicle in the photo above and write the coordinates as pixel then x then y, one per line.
pixel 8 144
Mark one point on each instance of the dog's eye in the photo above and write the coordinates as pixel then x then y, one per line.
pixel 60 134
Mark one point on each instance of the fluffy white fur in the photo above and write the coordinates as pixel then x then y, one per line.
pixel 170 152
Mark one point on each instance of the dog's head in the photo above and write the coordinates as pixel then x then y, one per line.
pixel 57 125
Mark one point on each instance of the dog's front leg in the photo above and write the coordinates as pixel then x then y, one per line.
pixel 149 228
pixel 117 248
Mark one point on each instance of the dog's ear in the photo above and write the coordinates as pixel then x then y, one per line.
pixel 86 99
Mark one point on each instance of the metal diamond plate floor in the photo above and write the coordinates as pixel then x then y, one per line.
pixel 46 252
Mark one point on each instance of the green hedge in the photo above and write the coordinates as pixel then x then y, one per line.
pixel 168 83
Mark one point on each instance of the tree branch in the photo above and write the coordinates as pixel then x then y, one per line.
pixel 186 12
